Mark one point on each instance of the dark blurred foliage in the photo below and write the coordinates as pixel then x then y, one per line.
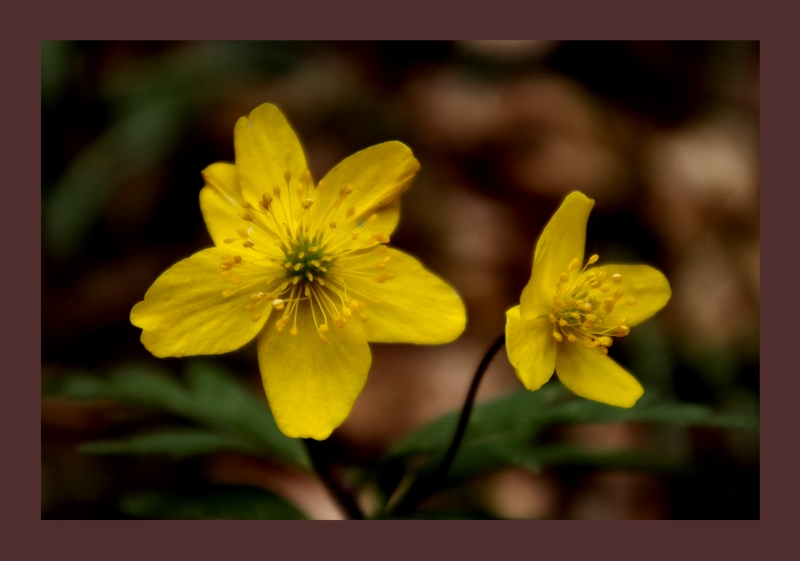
pixel 663 135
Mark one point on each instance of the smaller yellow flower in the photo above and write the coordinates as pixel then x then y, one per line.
pixel 569 315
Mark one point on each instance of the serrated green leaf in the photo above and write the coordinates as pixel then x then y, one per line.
pixel 212 398
pixel 178 443
pixel 502 433
pixel 229 502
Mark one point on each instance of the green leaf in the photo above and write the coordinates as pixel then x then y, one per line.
pixel 213 398
pixel 178 443
pixel 228 502
pixel 503 432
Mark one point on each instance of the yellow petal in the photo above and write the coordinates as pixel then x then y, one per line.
pixel 531 348
pixel 562 240
pixel 376 175
pixel 266 148
pixel 312 386
pixel 221 205
pixel 647 286
pixel 184 312
pixel 220 200
pixel 415 306
pixel 594 376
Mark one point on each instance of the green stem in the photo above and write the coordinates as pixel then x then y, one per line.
pixel 321 462
pixel 426 484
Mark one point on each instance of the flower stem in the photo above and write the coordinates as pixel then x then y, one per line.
pixel 426 484
pixel 320 459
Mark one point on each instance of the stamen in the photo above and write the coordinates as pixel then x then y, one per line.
pixel 616 278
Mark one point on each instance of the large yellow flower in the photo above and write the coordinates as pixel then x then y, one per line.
pixel 568 315
pixel 305 269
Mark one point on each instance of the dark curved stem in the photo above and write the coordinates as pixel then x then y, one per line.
pixel 427 484
pixel 321 462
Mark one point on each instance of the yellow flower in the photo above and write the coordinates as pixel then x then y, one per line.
pixel 568 315
pixel 303 268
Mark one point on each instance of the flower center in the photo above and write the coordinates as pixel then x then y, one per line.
pixel 582 305
pixel 301 259
pixel 305 259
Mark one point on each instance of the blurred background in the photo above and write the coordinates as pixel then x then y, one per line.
pixel 663 135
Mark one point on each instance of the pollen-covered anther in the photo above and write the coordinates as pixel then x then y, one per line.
pixel 616 278
pixel 278 304
pixel 307 204
pixel 293 331
pixel 557 336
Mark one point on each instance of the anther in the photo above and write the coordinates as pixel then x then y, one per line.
pixel 248 244
pixel 379 249
pixel 564 277
pixel 616 278
pixel 229 240
pixel 298 266
pixel 256 317
pixel 323 328
pixel 287 176
pixel 593 259
pixel 571 338
pixel 278 304
pixel 332 225
pixel 362 316
pixel 242 233
pixel 309 276
pixel 372 220
pixel 250 307
pixel 631 302
pixel 323 339
pixel 293 331
pixel 237 258
pixel 236 280
pixel 553 318
pixel 619 294
pixel 246 205
pixel 557 336
pixel 574 264
pixel 245 216
pixel 276 191
pixel 227 293
pixel 307 204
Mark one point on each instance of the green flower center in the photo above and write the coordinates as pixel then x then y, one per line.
pixel 305 261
